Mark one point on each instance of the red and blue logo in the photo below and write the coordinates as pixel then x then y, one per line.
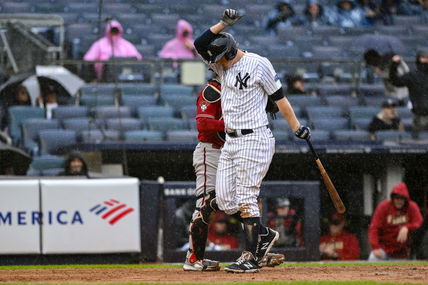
pixel 112 211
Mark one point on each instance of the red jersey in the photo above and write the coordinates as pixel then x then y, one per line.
pixel 387 222
pixel 209 120
pixel 345 244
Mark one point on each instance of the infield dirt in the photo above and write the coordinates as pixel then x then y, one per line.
pixel 393 274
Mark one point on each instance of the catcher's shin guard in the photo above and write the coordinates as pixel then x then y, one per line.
pixel 199 226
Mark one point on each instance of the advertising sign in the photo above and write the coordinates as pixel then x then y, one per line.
pixel 20 217
pixel 90 216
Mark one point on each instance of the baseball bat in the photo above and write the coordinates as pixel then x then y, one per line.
pixel 334 196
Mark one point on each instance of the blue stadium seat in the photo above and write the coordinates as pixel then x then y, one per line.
pixel 330 89
pixel 98 136
pixel 281 135
pixel 53 141
pixel 67 112
pixel 138 89
pixel 372 90
pixel 52 171
pixel 323 112
pixel 110 112
pixel 281 124
pixel 182 136
pixel 16 7
pixel 178 101
pixel 136 101
pixel 188 112
pixel 404 113
pixel 17 115
pixel 360 112
pixel 342 101
pixel 31 129
pixel 326 52
pixel 375 101
pixel 93 101
pixel 351 135
pixel 123 124
pixel 45 162
pixel 97 89
pixel 143 135
pixel 81 124
pixel 166 124
pixel 176 89
pixel 304 101
pixel 155 111
pixel 361 123
pixel 330 124
pixel 317 135
pixel 392 135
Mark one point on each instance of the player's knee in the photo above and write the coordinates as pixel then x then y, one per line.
pixel 248 210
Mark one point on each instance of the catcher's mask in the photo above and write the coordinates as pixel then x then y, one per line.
pixel 224 45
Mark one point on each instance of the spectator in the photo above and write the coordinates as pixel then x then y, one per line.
pixel 417 83
pixel 313 15
pixel 392 223
pixel 339 244
pixel 219 234
pixel 75 165
pixel 386 119
pixel 370 10
pixel 182 45
pixel 282 15
pixel 48 101
pixel 20 97
pixel 112 45
pixel 287 223
pixel 381 65
pixel 295 85
pixel 345 14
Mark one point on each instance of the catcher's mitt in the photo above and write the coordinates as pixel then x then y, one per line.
pixel 272 260
pixel 271 108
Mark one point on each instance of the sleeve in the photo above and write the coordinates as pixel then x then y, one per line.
pixel 373 126
pixel 415 217
pixel 268 77
pixel 205 116
pixel 396 80
pixel 351 250
pixel 375 226
pixel 93 53
pixel 202 42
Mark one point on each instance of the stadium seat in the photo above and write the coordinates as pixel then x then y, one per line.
pixel 330 124
pixel 137 89
pixel 325 31
pixel 375 101
pixel 351 135
pixel 281 135
pixel 182 136
pixel 317 135
pixel 98 136
pixel 155 111
pixel 178 101
pixel 372 90
pixel 98 89
pixel 359 112
pixel 404 112
pixel 52 171
pixel 326 52
pixel 361 123
pixel 16 7
pixel 81 124
pixel 392 135
pixel 110 112
pixel 323 112
pixel 67 112
pixel 136 101
pixel 329 89
pixel 143 135
pixel 176 89
pixel 280 124
pixel 94 101
pixel 30 132
pixel 54 141
pixel 392 30
pixel 342 101
pixel 166 124
pixel 188 112
pixel 304 101
pixel 17 115
pixel 123 124
pixel 45 162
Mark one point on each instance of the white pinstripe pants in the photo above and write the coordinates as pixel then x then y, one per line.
pixel 243 163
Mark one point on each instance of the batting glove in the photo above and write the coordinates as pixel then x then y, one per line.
pixel 303 132
pixel 230 17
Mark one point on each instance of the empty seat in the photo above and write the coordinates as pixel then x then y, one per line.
pixel 392 135
pixel 281 124
pixel 178 101
pixel 136 101
pixel 375 101
pixel 361 123
pixel 77 30
pixel 67 112
pixel 188 112
pixel 342 101
pixel 420 30
pixel 290 33
pixel 281 135
pixel 17 115
pixel 93 101
pixel 16 7
pixel 318 135
pixel 357 112
pixel 372 90
pixel 80 124
pixel 98 136
pixel 45 162
pixel 324 112
pixel 137 89
pixel 166 124
pixel 123 124
pixel 52 171
pixel 54 141
pixel 110 112
pixel 327 90
pixel 304 101
pixel 351 135
pixel 97 89
pixel 326 52
pixel 31 129
pixel 143 135
pixel 180 136
pixel 176 89
pixel 155 111
pixel 392 30
pixel 330 124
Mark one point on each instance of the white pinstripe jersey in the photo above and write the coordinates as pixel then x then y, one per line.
pixel 244 90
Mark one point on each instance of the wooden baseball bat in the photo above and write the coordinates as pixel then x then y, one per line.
pixel 334 196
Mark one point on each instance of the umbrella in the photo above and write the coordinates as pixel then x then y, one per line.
pixel 15 158
pixel 63 81
pixel 381 43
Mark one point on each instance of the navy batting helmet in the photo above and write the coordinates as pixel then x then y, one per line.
pixel 223 45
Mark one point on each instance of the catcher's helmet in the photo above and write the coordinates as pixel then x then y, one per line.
pixel 223 45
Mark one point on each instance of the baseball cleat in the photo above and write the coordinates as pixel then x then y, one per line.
pixel 265 243
pixel 201 265
pixel 244 264
pixel 272 260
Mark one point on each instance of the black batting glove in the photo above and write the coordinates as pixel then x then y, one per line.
pixel 303 133
pixel 230 17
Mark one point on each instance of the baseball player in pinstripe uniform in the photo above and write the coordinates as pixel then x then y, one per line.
pixel 211 134
pixel 247 80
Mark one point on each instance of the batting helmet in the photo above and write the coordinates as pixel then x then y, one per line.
pixel 223 45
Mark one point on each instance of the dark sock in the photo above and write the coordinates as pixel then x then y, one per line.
pixel 251 229
pixel 237 216
pixel 263 230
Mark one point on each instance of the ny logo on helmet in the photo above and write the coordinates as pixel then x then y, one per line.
pixel 242 80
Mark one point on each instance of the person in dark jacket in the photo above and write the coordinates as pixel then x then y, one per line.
pixel 295 84
pixel 75 165
pixel 313 15
pixel 386 119
pixel 417 83
pixel 282 15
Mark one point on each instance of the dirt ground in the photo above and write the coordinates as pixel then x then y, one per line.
pixel 393 273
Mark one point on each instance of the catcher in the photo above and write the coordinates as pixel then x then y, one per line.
pixel 205 159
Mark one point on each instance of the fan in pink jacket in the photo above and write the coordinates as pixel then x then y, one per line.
pixel 113 44
pixel 182 45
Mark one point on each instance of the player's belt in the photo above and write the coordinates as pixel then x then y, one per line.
pixel 238 133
